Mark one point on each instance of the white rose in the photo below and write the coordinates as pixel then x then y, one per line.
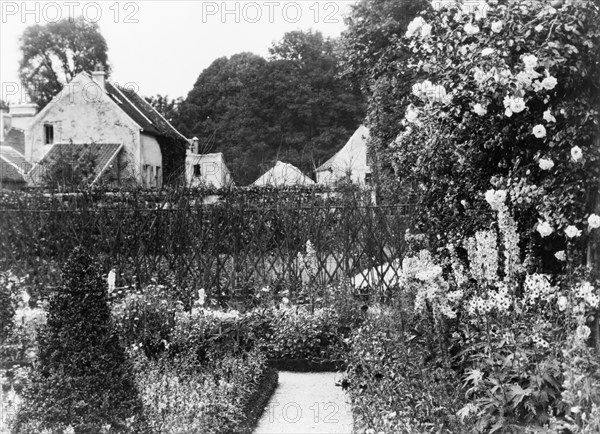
pixel 583 332
pixel 539 28
pixel 576 153
pixel 530 61
pixel 517 105
pixel 539 131
pixel 549 82
pixel 546 163
pixel 544 229
pixel 414 26
pixel 594 221
pixel 548 116
pixel 425 30
pixel 497 26
pixel 411 115
pixel 479 109
pixel 508 112
pixel 562 303
pixel 487 51
pixel 561 256
pixel 471 29
pixel 572 231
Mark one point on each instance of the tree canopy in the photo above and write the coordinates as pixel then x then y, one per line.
pixel 52 54
pixel 292 107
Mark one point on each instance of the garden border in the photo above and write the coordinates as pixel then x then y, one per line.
pixel 258 400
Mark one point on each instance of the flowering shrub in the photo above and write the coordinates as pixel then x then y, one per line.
pixel 507 95
pixel 146 318
pixel 299 334
pixel 181 394
pixel 398 382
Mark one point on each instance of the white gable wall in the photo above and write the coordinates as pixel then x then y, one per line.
pixel 350 161
pixel 206 170
pixel 81 113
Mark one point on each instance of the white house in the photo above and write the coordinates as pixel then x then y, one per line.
pixel 91 111
pixel 350 162
pixel 207 170
pixel 283 175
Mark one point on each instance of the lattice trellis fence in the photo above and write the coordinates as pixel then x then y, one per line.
pixel 224 248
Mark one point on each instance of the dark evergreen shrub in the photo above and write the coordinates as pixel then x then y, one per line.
pixel 83 378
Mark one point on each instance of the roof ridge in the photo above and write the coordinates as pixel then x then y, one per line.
pixel 131 102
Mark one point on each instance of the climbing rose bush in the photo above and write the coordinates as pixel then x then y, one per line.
pixel 506 98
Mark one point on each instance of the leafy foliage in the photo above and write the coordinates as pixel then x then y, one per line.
pixel 292 107
pixel 54 53
pixel 83 378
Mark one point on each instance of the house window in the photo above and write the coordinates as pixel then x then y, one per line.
pixel 48 134
pixel 158 176
pixel 197 170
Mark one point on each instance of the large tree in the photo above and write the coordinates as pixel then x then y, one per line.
pixel 52 54
pixel 291 107
pixel 374 59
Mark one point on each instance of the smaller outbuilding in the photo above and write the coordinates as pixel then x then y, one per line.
pixel 283 175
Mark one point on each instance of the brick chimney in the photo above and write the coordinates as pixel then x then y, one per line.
pixel 195 145
pixel 99 76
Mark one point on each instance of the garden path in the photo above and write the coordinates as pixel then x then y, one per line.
pixel 307 402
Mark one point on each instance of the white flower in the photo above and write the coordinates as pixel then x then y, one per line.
pixel 576 153
pixel 265 289
pixel 548 116
pixel 594 221
pixel 497 26
pixel 562 303
pixel 544 229
pixel 425 30
pixel 285 300
pixel 414 26
pixel 539 28
pixel 495 198
pixel 561 256
pixel 471 29
pixel 530 61
pixel 479 109
pixel 111 280
pixel 583 332
pixel 517 105
pixel 549 82
pixel 487 51
pixel 546 163
pixel 537 86
pixel 479 75
pixel 572 231
pixel 411 115
pixel 539 131
pixel 508 112
pixel 201 296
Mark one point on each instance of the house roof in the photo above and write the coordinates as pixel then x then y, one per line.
pixel 354 153
pixel 14 157
pixel 283 175
pixel 10 174
pixel 15 138
pixel 142 112
pixel 102 153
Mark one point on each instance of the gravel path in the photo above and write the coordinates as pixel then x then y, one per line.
pixel 307 402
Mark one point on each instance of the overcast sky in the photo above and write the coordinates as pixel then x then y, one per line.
pixel 162 46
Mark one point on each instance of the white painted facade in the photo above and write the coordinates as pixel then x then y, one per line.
pixel 83 113
pixel 207 170
pixel 350 162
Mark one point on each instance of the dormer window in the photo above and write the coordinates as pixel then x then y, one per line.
pixel 197 170
pixel 48 134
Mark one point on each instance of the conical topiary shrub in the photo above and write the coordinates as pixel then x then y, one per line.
pixel 83 378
